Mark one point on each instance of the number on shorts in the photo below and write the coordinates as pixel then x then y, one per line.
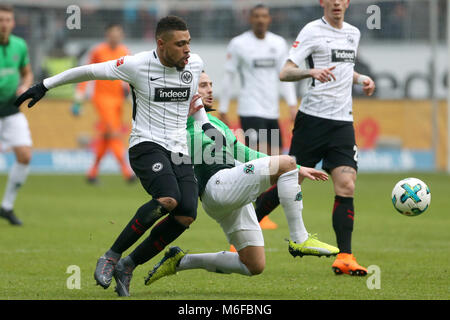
pixel 355 156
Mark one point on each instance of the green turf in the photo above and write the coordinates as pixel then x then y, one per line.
pixel 67 222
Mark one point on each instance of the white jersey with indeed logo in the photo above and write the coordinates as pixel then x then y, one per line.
pixel 161 95
pixel 323 46
pixel 258 63
pixel 161 98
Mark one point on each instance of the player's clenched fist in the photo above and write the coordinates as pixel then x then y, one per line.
pixel 36 93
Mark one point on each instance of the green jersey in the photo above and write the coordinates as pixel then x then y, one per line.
pixel 14 56
pixel 207 158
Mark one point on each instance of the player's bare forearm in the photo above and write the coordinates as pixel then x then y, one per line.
pixel 355 77
pixel 291 72
pixel 26 75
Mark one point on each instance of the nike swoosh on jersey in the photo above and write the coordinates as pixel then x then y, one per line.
pixel 154 79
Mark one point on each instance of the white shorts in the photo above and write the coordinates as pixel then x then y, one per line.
pixel 14 131
pixel 228 198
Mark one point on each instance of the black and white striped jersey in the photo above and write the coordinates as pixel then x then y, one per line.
pixel 161 95
pixel 323 46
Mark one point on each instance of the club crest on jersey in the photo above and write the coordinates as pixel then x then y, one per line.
pixel 249 169
pixel 156 167
pixel 172 94
pixel 340 55
pixel 186 77
pixel 119 62
pixel 295 44
pixel 350 39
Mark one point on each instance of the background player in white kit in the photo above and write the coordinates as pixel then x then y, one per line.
pixel 323 127
pixel 257 55
pixel 163 82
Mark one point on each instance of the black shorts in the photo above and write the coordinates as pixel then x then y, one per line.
pixel 316 139
pixel 257 123
pixel 161 177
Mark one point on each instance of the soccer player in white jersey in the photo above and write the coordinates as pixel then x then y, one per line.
pixel 257 55
pixel 163 82
pixel 323 127
pixel 227 190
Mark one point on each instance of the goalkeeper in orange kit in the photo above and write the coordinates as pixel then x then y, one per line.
pixel 108 98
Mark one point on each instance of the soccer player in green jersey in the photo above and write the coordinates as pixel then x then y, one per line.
pixel 15 78
pixel 229 179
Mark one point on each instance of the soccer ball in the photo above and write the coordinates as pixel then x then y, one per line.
pixel 411 197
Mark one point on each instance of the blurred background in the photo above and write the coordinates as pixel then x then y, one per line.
pixel 404 127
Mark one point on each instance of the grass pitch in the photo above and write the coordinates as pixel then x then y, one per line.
pixel 67 222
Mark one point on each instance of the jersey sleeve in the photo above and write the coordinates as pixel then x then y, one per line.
pixel 124 68
pixel 82 86
pixel 25 57
pixel 303 46
pixel 287 89
pixel 232 58
pixel 243 154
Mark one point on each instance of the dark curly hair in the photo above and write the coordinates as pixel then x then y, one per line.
pixel 170 23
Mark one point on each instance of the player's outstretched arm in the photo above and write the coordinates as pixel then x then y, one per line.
pixel 291 72
pixel 123 69
pixel 312 174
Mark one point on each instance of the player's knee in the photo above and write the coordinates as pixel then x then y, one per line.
pixel 23 156
pixel 254 259
pixel 149 213
pixel 345 188
pixel 184 220
pixel 186 212
pixel 286 163
pixel 168 203
pixel 255 267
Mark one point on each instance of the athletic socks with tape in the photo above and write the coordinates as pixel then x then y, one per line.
pixel 220 262
pixel 290 194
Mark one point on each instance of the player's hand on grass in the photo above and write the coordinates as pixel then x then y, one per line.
pixel 323 75
pixel 312 174
pixel 195 105
pixel 35 93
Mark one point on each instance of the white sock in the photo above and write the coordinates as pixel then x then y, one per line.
pixel 220 262
pixel 289 192
pixel 16 179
